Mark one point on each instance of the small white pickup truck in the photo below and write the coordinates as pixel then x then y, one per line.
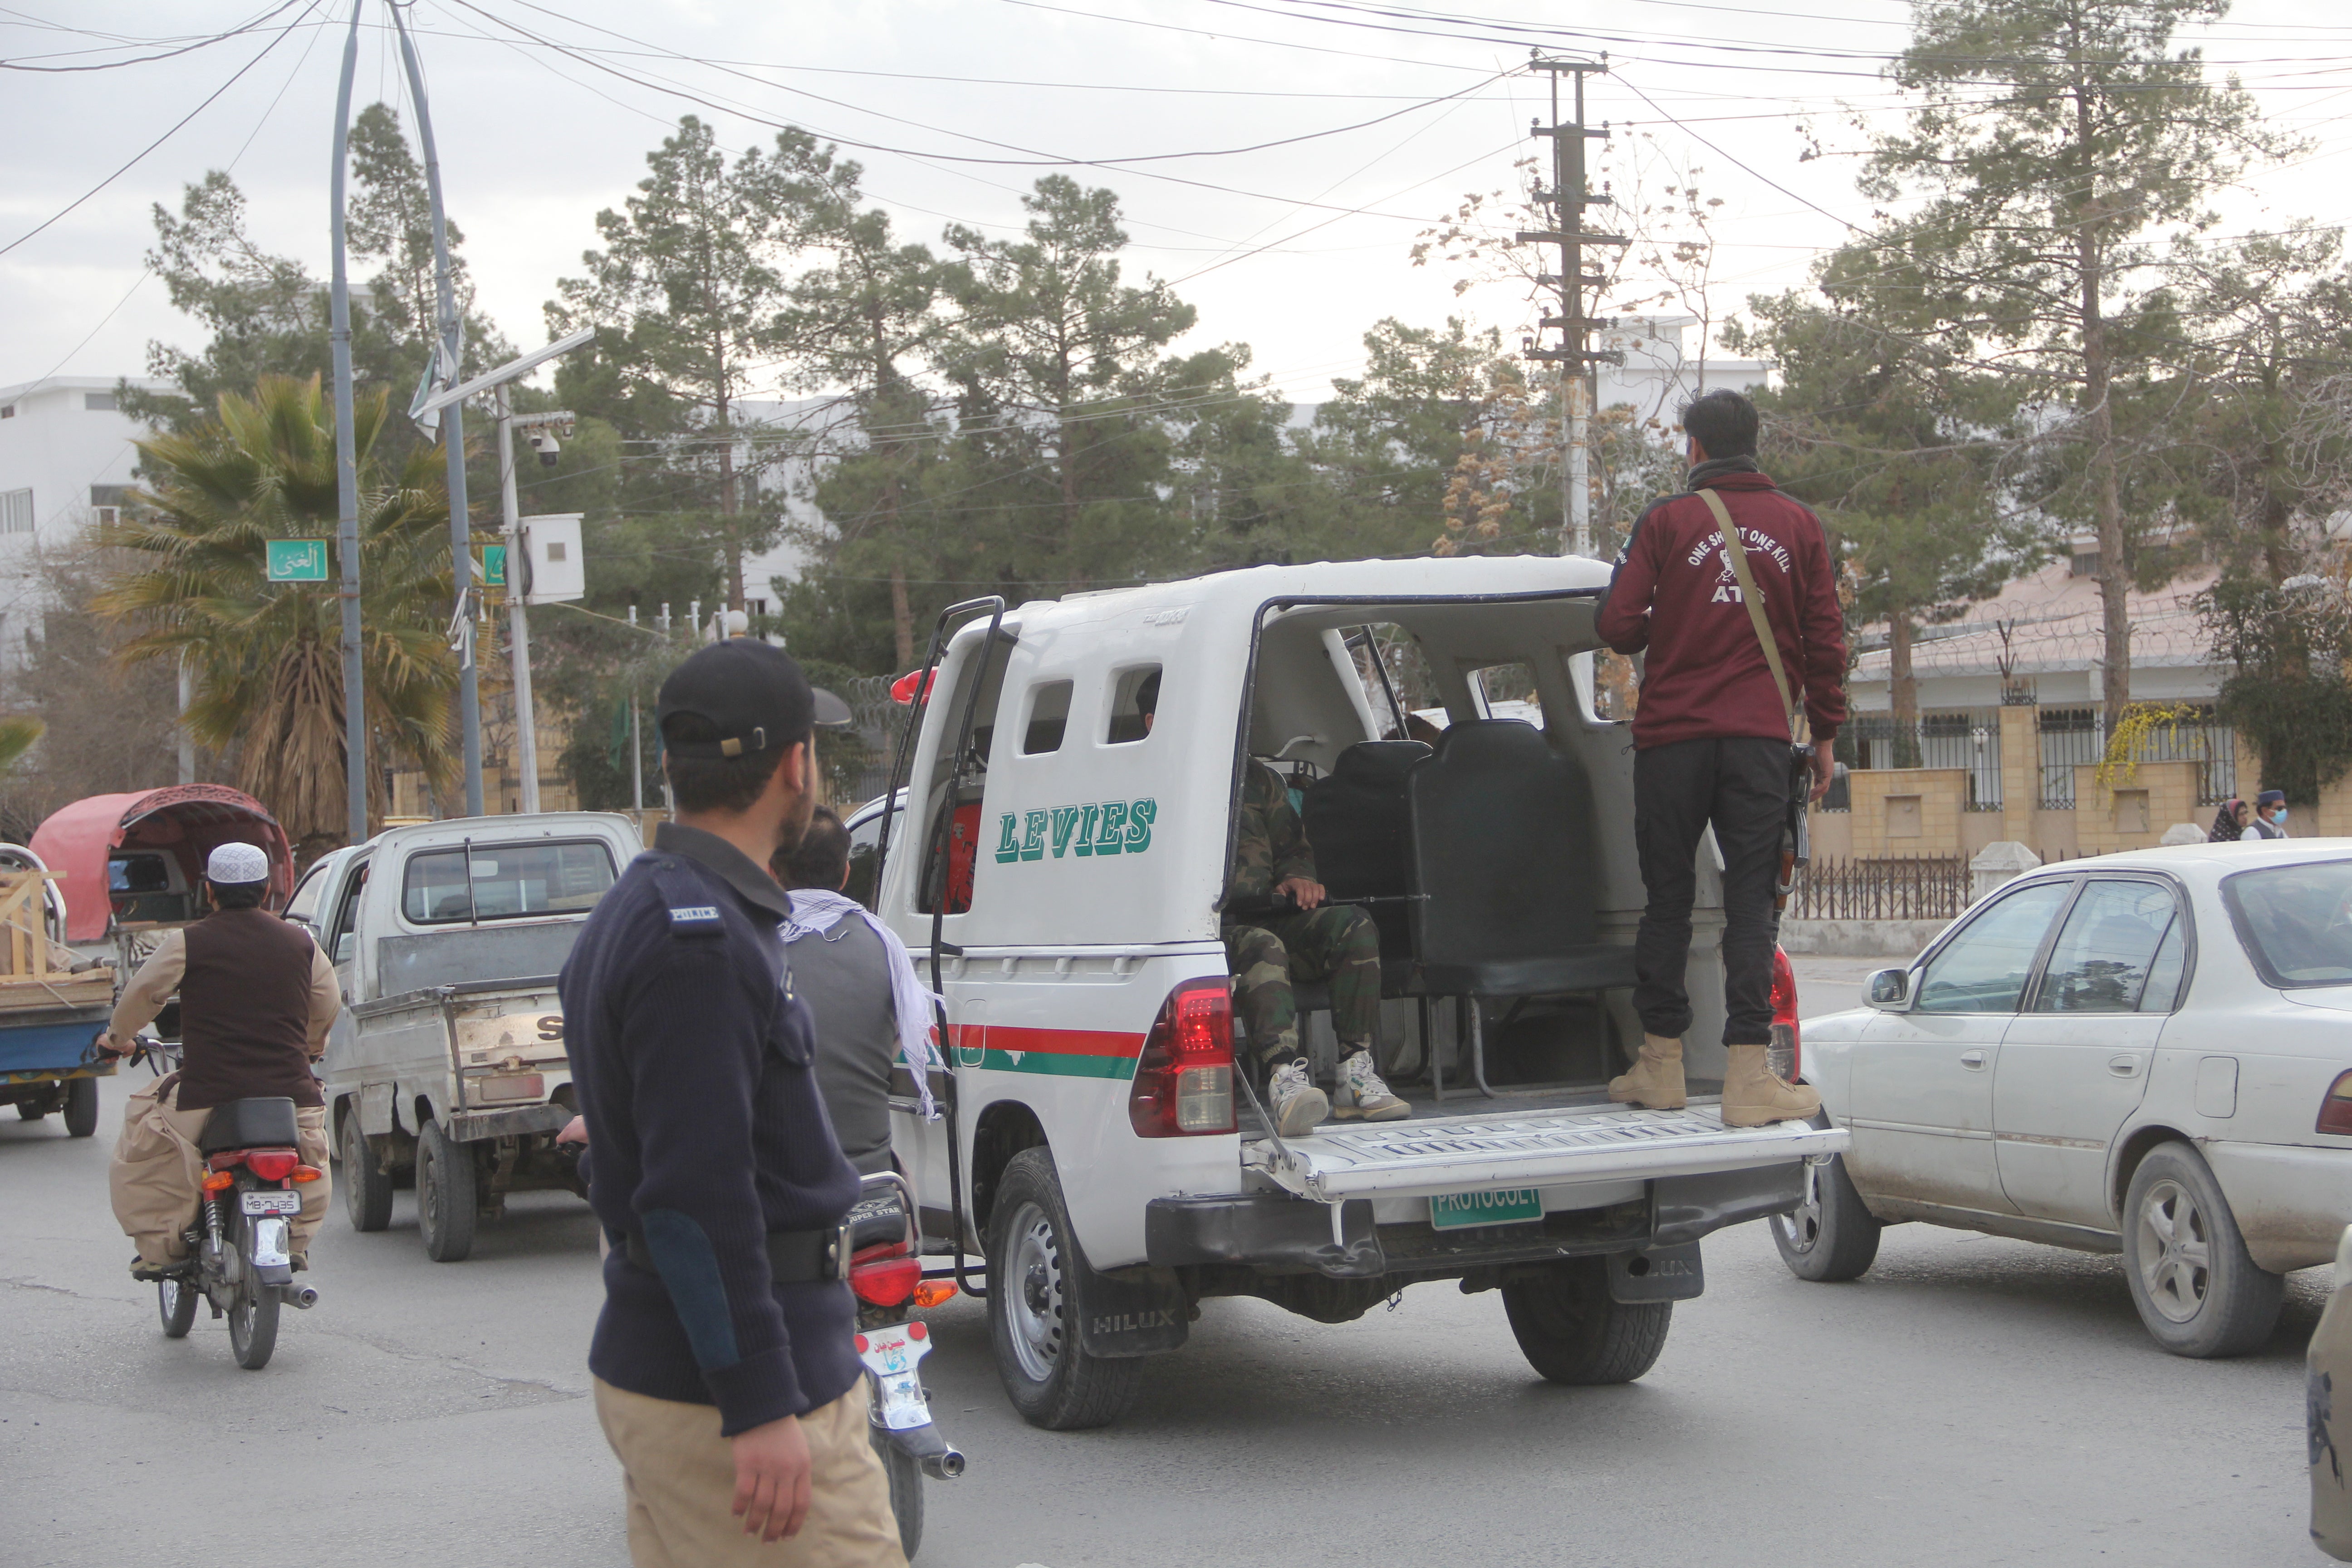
pixel 448 1064
pixel 1060 875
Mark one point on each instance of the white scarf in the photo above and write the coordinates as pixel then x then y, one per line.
pixel 816 912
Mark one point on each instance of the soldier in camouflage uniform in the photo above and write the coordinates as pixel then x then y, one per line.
pixel 1315 940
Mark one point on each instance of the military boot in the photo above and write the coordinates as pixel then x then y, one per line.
pixel 1656 1080
pixel 1753 1097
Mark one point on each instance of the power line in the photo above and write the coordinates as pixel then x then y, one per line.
pixel 167 135
pixel 206 42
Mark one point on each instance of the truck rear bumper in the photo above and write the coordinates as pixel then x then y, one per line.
pixel 471 1126
pixel 1277 1234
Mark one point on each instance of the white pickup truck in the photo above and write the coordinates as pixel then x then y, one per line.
pixel 1061 876
pixel 448 1064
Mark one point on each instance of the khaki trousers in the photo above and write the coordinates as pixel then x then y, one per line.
pixel 679 1476
pixel 157 1173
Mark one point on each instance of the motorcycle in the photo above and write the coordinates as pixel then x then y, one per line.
pixel 880 1238
pixel 239 1259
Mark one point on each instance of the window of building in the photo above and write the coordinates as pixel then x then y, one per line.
pixel 7 411
pixel 2086 563
pixel 15 511
pixel 98 401
pixel 108 495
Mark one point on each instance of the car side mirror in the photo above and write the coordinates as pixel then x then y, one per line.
pixel 1889 990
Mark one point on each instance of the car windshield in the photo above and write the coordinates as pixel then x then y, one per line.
pixel 507 880
pixel 2295 922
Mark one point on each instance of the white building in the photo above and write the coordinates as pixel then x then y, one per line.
pixel 1663 370
pixel 66 454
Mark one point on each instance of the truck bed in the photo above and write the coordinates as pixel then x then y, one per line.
pixel 1534 1139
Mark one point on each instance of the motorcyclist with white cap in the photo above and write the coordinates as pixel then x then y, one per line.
pixel 256 999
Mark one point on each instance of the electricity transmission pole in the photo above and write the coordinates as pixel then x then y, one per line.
pixel 1567 199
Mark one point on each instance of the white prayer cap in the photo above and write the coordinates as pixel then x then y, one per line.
pixel 233 863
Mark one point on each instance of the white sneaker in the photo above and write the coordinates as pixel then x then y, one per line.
pixel 1297 1104
pixel 1363 1096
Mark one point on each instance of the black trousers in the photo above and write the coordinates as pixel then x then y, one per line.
pixel 1741 785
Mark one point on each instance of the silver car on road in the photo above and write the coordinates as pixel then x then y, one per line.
pixel 2148 1052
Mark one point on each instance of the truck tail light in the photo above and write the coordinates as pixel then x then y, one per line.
pixel 1184 1082
pixel 1787 1053
pixel 2336 1111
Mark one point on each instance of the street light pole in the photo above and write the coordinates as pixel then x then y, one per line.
pixel 452 433
pixel 347 479
pixel 518 625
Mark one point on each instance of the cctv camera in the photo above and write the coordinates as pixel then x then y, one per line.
pixel 544 443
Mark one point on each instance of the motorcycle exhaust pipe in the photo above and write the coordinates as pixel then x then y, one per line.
pixel 299 1296
pixel 923 1444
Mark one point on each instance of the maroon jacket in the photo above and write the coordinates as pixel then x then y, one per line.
pixel 1673 593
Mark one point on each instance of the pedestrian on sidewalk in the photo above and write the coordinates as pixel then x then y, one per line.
pixel 2230 822
pixel 726 1376
pixel 1729 589
pixel 2270 817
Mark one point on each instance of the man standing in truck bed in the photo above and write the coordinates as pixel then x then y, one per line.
pixel 1711 738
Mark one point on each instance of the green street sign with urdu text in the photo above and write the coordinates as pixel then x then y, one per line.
pixel 297 560
pixel 494 565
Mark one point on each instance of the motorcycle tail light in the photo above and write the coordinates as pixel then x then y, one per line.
pixel 218 1182
pixel 887 1281
pixel 2336 1111
pixel 1185 1080
pixel 272 1165
pixel 1788 1057
pixel 931 1292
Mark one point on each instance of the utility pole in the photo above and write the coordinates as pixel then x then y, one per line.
pixel 1567 199
pixel 347 477
pixel 449 356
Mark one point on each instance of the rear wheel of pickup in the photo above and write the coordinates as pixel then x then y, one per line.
pixel 1573 1331
pixel 1035 1277
pixel 1830 1237
pixel 367 1189
pixel 445 1195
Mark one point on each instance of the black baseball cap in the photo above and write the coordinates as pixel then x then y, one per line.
pixel 752 693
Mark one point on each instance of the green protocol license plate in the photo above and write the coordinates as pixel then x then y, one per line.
pixel 1464 1211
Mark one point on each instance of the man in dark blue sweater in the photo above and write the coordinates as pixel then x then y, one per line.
pixel 725 1374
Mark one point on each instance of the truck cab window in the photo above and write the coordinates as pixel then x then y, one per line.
pixel 302 909
pixel 507 881
pixel 1508 691
pixel 1049 716
pixel 1126 721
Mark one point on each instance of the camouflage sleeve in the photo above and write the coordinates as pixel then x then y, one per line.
pixel 1269 845
pixel 1292 857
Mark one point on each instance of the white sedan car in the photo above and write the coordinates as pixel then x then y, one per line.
pixel 2148 1053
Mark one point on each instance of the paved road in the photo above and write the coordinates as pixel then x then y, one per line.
pixel 1972 1402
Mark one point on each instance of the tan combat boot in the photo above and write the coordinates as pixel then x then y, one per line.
pixel 1656 1080
pixel 1753 1097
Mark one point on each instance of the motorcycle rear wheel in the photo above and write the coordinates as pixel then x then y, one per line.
pixel 175 1303
pixel 906 1475
pixel 253 1315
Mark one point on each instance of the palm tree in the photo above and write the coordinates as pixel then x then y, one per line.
pixel 265 656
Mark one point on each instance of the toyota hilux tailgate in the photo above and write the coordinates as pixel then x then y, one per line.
pixel 1504 1148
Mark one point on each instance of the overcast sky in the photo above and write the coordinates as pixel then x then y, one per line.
pixel 1295 250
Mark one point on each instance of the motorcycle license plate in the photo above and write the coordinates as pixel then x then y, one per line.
pixel 890 1355
pixel 273 1203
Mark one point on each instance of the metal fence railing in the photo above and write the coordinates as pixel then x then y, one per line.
pixel 2075 738
pixel 1895 887
pixel 1966 738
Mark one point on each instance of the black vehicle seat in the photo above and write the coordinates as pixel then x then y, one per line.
pixel 1360 823
pixel 1503 855
pixel 264 1123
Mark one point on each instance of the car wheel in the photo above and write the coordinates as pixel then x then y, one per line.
pixel 445 1195
pixel 2197 1289
pixel 1034 1309
pixel 367 1189
pixel 1830 1236
pixel 1573 1331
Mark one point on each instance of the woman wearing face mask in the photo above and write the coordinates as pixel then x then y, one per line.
pixel 2230 822
pixel 2270 815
